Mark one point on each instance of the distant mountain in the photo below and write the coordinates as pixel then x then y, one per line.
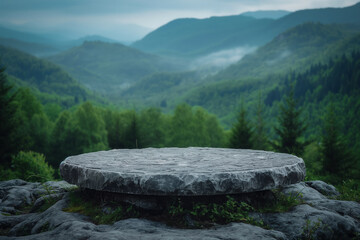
pixel 275 14
pixel 22 36
pixel 44 77
pixel 347 15
pixel 93 38
pixel 195 37
pixel 41 46
pixel 296 48
pixel 36 49
pixel 107 67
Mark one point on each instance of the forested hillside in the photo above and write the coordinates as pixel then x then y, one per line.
pixel 36 49
pixel 52 84
pixel 108 67
pixel 193 37
pixel 301 83
pixel 294 50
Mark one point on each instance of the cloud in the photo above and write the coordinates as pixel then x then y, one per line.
pixel 221 59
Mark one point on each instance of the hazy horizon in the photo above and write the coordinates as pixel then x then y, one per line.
pixel 129 20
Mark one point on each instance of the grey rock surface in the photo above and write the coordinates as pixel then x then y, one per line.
pixel 182 171
pixel 303 191
pixel 304 218
pixel 337 220
pixel 54 223
pixel 323 188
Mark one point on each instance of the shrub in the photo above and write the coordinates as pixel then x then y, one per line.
pixel 31 166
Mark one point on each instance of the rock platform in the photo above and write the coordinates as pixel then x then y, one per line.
pixel 182 171
pixel 319 217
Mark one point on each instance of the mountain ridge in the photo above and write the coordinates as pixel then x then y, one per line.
pixel 195 37
pixel 107 67
pixel 46 78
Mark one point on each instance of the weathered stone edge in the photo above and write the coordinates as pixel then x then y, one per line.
pixel 184 184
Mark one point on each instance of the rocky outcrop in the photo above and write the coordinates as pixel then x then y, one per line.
pixel 319 216
pixel 182 171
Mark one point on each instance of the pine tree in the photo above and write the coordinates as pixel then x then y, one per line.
pixel 241 133
pixel 260 140
pixel 335 155
pixel 291 128
pixel 132 132
pixel 10 138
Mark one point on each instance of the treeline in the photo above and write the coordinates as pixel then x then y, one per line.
pixel 336 83
pixel 340 75
pixel 30 130
pixel 47 80
pixel 27 125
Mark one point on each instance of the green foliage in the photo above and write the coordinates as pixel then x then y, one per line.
pixel 291 128
pixel 11 140
pixel 310 228
pixel 132 138
pixel 259 138
pixel 336 156
pixel 241 133
pixel 43 76
pixel 31 166
pixel 210 213
pixel 152 128
pixel 79 203
pixel 313 161
pixel 349 190
pixel 107 67
pixel 35 124
pixel 77 132
pixel 88 129
pixel 194 127
pixel 283 202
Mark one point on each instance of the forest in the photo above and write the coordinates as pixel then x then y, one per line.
pixel 311 114
pixel 291 85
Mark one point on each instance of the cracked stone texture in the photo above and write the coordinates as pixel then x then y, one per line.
pixel 338 219
pixel 182 171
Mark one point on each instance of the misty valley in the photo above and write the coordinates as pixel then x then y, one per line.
pixel 278 81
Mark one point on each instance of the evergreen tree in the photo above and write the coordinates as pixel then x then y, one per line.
pixel 87 129
pixel 132 139
pixel 115 126
pixel 151 128
pixel 216 136
pixel 182 129
pixel 260 140
pixel 61 140
pixel 336 156
pixel 11 140
pixel 291 127
pixel 241 133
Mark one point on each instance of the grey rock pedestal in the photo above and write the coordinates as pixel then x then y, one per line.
pixel 182 171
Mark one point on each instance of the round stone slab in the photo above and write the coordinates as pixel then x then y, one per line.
pixel 182 171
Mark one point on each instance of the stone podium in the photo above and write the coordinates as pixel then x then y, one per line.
pixel 182 171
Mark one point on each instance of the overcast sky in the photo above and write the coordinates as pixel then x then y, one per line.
pixel 136 17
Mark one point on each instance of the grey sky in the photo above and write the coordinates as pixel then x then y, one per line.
pixel 136 17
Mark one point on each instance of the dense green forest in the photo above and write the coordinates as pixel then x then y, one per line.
pixel 48 81
pixel 298 93
pixel 322 110
pixel 296 49
pixel 108 67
